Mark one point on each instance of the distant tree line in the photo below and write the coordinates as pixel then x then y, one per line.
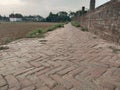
pixel 78 13
pixel 64 16
pixel 17 15
pixel 61 16
pixel 34 18
pixel 4 18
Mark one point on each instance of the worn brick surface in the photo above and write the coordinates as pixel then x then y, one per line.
pixel 2 81
pixel 104 21
pixel 70 59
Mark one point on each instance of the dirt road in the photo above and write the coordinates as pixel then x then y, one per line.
pixel 66 59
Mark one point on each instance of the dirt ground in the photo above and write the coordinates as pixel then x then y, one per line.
pixel 15 30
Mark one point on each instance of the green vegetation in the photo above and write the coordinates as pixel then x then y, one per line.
pixel 3 47
pixel 84 29
pixel 41 32
pixel 55 27
pixel 59 17
pixel 8 40
pixel 75 23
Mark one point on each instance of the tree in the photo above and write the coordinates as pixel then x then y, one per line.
pixel 63 16
pixel 59 17
pixel 0 17
pixel 17 15
pixel 52 17
pixel 71 14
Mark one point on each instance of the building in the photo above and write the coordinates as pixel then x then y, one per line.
pixel 15 17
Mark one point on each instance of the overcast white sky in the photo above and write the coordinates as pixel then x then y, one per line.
pixel 43 7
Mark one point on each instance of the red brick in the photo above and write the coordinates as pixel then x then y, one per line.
pixel 35 64
pixel 65 71
pixel 4 87
pixel 29 88
pixel 12 81
pixel 2 81
pixel 25 82
pixel 59 88
pixel 77 71
pixel 55 70
pixel 43 88
pixel 62 81
pixel 47 80
pixel 1 64
pixel 53 63
pixel 118 88
pixel 108 85
pixel 21 71
pixel 73 81
pixel 98 72
pixel 43 71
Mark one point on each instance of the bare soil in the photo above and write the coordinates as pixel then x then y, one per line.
pixel 11 31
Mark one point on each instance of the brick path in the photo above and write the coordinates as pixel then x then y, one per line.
pixel 67 59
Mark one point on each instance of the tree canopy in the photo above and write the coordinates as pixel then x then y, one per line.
pixel 59 17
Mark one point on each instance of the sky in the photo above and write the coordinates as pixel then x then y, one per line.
pixel 43 7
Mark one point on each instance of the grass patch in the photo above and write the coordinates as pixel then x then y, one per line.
pixel 8 40
pixel 84 29
pixel 3 47
pixel 36 33
pixel 75 23
pixel 54 27
pixel 41 32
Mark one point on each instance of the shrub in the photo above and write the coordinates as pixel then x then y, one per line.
pixel 75 23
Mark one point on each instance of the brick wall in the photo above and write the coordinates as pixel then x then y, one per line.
pixel 104 21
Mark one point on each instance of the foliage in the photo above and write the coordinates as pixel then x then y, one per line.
pixel 36 33
pixel 77 13
pixel 33 18
pixel 55 27
pixel 75 23
pixel 17 15
pixel 41 32
pixel 4 18
pixel 59 17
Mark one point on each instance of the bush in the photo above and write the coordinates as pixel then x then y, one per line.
pixel 41 32
pixel 75 23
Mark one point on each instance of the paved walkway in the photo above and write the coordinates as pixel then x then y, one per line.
pixel 67 59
